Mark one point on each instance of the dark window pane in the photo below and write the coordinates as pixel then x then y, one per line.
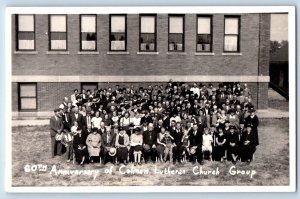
pixel 176 42
pixel 147 42
pixel 88 36
pixel 58 36
pixel 26 36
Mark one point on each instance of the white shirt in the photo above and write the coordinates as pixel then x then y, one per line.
pixel 96 122
pixel 207 139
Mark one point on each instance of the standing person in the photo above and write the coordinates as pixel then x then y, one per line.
pixel 248 144
pixel 56 127
pixel 67 141
pixel 233 141
pixel 96 121
pixel 76 116
pixel 79 146
pixel 196 144
pixel 220 146
pixel 122 145
pixel 253 121
pixel 93 143
pixel 177 135
pixel 149 143
pixel 136 142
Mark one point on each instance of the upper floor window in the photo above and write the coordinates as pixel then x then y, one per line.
pixel 147 32
pixel 204 34
pixel 25 32
pixel 232 34
pixel 176 33
pixel 88 33
pixel 58 32
pixel 118 34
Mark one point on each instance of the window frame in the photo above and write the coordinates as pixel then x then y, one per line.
pixel 80 33
pixel 155 32
pixel 183 32
pixel 20 98
pixel 110 16
pixel 238 35
pixel 211 32
pixel 17 32
pixel 49 31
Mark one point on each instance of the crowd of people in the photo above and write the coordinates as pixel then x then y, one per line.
pixel 175 122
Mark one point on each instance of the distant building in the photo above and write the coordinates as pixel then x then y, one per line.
pixel 54 54
pixel 279 70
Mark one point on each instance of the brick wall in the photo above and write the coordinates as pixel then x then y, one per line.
pixel 163 63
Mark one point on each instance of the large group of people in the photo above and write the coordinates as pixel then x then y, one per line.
pixel 176 122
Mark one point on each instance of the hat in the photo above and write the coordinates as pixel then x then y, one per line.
pixel 146 147
pixel 251 110
pixel 193 151
pixel 95 129
pixel 231 127
pixel 137 129
pixel 112 151
pixel 248 125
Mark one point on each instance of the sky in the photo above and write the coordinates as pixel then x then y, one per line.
pixel 279 27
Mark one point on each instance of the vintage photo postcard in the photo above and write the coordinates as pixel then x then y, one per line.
pixel 150 99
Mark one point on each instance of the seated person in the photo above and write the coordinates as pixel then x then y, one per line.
pixel 136 142
pixel 220 145
pixel 93 143
pixel 79 146
pixel 122 145
pixel 207 142
pixel 233 141
pixel 248 145
pixel 108 142
pixel 149 143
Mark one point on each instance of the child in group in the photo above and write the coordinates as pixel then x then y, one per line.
pixel 67 141
pixel 185 144
pixel 207 143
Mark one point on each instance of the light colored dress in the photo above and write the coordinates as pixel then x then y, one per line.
pixel 93 142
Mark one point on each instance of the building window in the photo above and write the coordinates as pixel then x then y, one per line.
pixel 204 34
pixel 118 37
pixel 88 33
pixel 147 32
pixel 89 86
pixel 25 32
pixel 58 32
pixel 27 96
pixel 176 33
pixel 232 34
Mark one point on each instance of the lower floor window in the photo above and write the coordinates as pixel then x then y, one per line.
pixel 27 96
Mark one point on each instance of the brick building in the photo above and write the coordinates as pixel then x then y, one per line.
pixel 54 54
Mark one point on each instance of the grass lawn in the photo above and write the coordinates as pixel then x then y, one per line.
pixel 31 146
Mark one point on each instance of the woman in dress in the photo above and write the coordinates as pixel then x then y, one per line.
pixel 248 144
pixel 122 145
pixel 161 143
pixel 79 146
pixel 136 142
pixel 96 121
pixel 93 142
pixel 125 121
pixel 220 147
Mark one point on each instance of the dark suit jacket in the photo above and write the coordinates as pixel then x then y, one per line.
pixel 102 131
pixel 177 136
pixel 79 140
pixel 195 140
pixel 108 142
pixel 55 125
pixel 150 140
pixel 84 121
pixel 79 119
pixel 66 119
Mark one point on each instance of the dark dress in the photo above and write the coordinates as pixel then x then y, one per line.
pixel 253 122
pixel 80 140
pixel 247 151
pixel 232 138
pixel 219 150
pixel 122 152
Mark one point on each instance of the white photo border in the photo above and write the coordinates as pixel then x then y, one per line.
pixel 149 9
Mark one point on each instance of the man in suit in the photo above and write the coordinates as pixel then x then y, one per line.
pixel 196 144
pixel 76 116
pixel 108 141
pixel 102 129
pixel 87 120
pixel 177 135
pixel 149 143
pixel 56 127
pixel 66 120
